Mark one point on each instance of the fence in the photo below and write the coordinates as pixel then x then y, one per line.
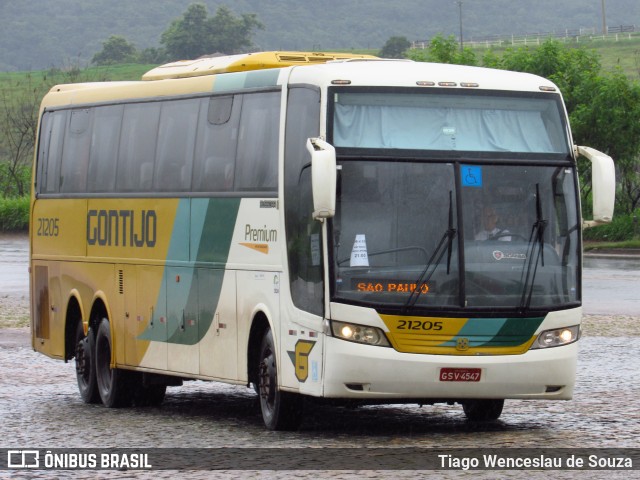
pixel 622 32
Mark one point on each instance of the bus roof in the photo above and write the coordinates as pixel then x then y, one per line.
pixel 406 73
pixel 243 62
pixel 237 72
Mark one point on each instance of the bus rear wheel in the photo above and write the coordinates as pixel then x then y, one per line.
pixel 483 410
pixel 113 383
pixel 280 410
pixel 85 365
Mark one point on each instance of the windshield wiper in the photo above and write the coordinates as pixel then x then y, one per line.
pixel 425 275
pixel 535 239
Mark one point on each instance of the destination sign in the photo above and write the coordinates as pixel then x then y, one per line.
pixel 388 285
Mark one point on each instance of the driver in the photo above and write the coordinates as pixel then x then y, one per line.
pixel 490 230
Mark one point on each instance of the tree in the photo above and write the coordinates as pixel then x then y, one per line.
pixel 395 47
pixel 18 122
pixel 152 56
pixel 610 121
pixel 195 34
pixel 19 106
pixel 116 49
pixel 231 34
pixel 444 50
pixel 572 69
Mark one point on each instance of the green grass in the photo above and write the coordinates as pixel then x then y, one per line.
pixel 132 71
pixel 627 244
pixel 16 81
pixel 14 214
pixel 623 54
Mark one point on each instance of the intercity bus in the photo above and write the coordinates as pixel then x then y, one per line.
pixel 313 226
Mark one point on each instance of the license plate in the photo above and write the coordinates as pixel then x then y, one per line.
pixel 460 374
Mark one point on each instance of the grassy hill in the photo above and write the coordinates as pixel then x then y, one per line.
pixel 623 53
pixel 37 34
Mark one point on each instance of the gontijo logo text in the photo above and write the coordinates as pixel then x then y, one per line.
pixel 122 228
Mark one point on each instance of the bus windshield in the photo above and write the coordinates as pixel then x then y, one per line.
pixel 454 236
pixel 449 120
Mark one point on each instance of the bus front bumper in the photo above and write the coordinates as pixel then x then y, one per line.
pixel 381 373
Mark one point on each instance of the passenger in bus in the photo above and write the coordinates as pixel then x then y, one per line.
pixel 490 229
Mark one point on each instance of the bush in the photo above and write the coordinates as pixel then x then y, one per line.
pixel 14 214
pixel 620 229
pixel 14 183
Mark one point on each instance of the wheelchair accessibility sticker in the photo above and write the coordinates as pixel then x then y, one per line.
pixel 471 176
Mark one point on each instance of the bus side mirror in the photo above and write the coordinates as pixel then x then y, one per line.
pixel 323 178
pixel 603 181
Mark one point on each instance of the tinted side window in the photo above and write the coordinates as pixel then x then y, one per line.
pixel 257 158
pixel 138 147
pixel 176 137
pixel 43 150
pixel 104 148
pixel 216 144
pixel 75 157
pixel 53 142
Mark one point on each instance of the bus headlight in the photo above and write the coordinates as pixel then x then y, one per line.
pixel 557 337
pixel 359 333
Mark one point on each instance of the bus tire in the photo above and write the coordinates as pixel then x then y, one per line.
pixel 85 365
pixel 113 383
pixel 280 410
pixel 483 410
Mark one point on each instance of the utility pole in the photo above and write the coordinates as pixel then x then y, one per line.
pixel 604 19
pixel 460 16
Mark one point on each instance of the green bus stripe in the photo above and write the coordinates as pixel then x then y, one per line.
pixel 210 223
pixel 217 227
pixel 496 332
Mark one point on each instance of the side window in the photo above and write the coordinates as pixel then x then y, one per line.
pixel 75 156
pixel 216 143
pixel 53 140
pixel 257 158
pixel 44 138
pixel 104 148
pixel 176 137
pixel 137 150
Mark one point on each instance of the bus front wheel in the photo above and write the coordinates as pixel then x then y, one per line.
pixel 483 410
pixel 113 383
pixel 85 365
pixel 280 410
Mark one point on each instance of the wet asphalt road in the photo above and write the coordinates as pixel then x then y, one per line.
pixel 40 407
pixel 611 285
